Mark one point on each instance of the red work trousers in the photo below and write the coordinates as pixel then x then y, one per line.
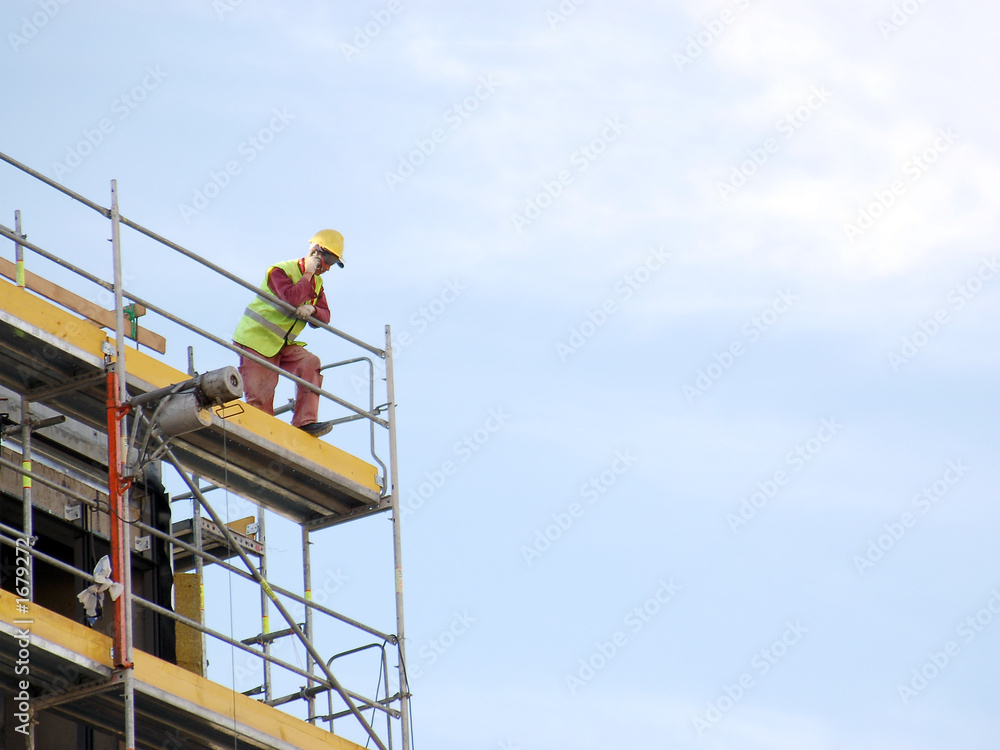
pixel 259 382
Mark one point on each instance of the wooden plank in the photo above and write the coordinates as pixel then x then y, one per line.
pixel 78 304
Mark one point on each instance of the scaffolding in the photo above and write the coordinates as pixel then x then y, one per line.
pixel 62 368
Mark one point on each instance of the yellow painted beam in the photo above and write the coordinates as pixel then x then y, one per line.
pixel 273 430
pixel 86 308
pixel 292 438
pixel 88 337
pixel 176 681
pixel 25 306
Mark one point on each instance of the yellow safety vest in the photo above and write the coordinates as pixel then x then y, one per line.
pixel 265 327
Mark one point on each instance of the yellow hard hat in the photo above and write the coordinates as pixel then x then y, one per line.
pixel 332 241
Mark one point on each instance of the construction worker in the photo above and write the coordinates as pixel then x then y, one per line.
pixel 270 332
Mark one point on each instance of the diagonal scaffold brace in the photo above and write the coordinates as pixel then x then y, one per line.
pixel 170 458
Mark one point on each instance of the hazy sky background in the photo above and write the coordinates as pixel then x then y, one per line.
pixel 715 282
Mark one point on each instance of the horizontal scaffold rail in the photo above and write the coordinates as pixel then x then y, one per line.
pixel 170 702
pixel 291 473
pixel 56 353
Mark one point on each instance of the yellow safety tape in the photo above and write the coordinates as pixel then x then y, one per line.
pixel 26 480
pixel 267 590
pixel 266 624
pixel 19 274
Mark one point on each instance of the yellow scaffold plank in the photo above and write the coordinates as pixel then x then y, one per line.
pixel 84 307
pixel 157 374
pixel 175 681
pixel 25 306
pixel 84 339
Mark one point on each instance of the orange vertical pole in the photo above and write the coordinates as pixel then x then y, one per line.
pixel 119 529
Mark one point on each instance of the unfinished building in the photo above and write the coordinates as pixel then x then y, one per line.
pixel 103 636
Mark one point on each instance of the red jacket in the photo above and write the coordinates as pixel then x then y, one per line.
pixel 300 293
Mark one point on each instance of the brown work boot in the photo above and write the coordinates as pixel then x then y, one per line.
pixel 317 429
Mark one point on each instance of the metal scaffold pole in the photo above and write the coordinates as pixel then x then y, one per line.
pixel 87 382
pixel 397 546
pixel 170 458
pixel 265 613
pixel 18 252
pixel 118 489
pixel 308 621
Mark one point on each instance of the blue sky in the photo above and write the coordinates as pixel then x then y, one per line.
pixel 684 257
